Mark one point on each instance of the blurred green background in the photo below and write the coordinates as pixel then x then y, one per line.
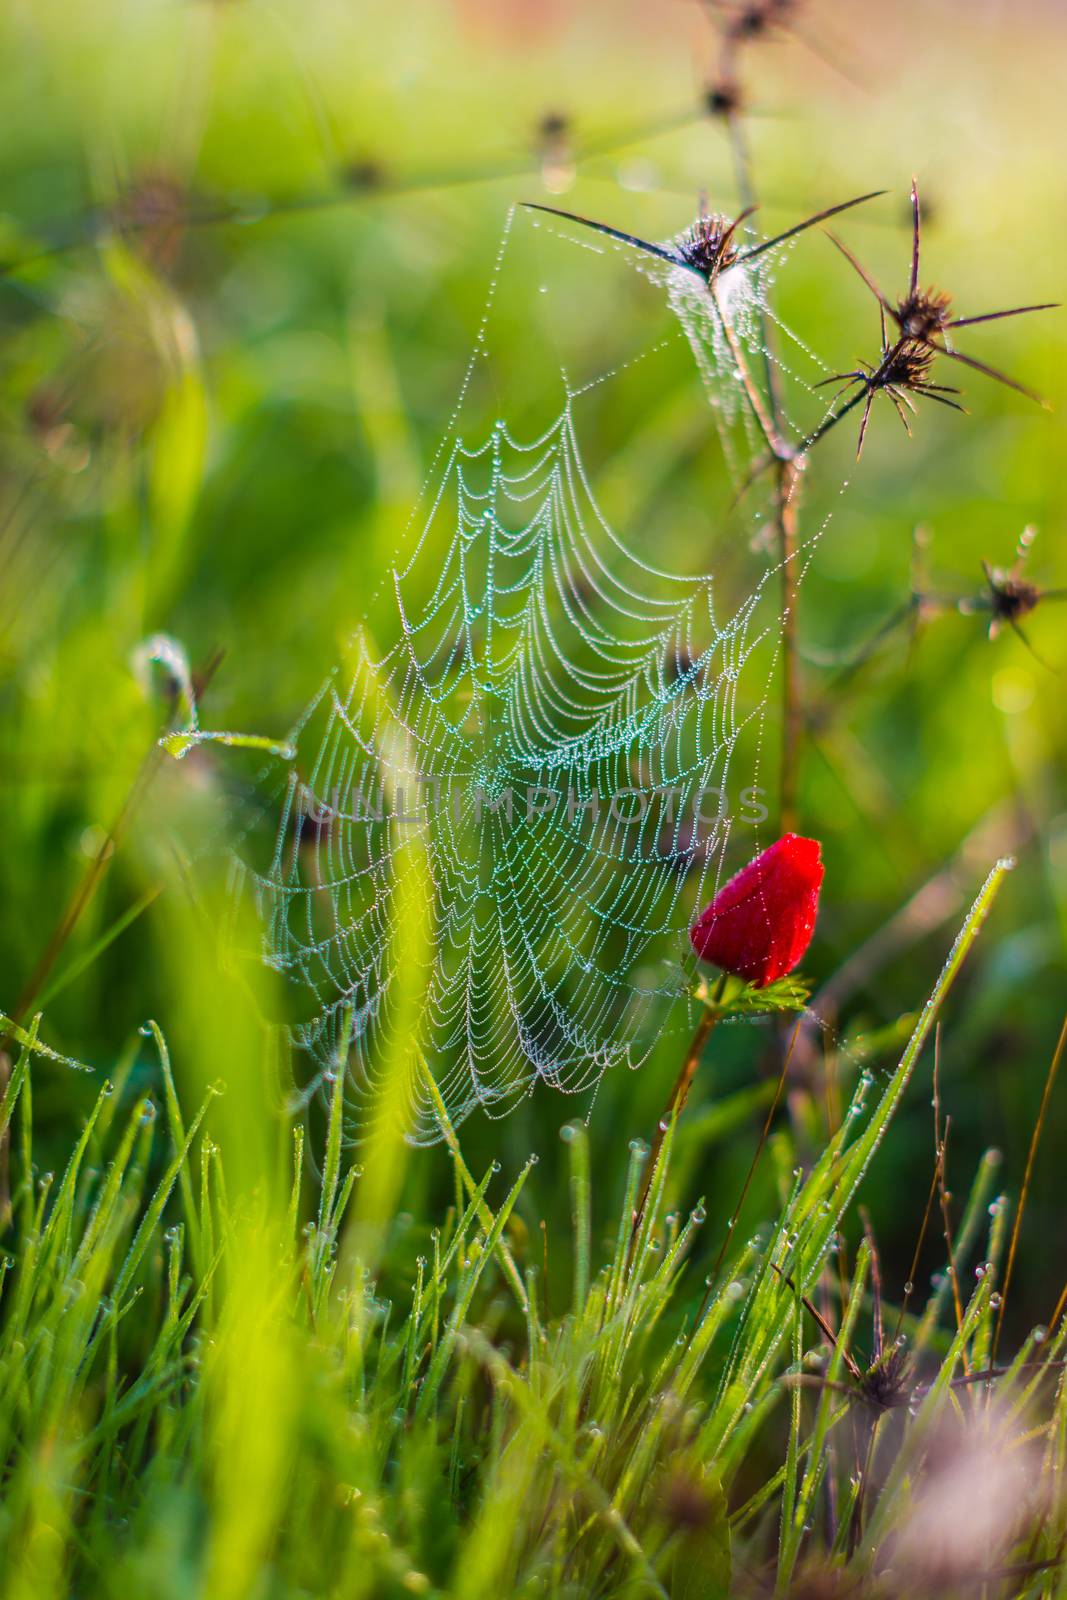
pixel 245 249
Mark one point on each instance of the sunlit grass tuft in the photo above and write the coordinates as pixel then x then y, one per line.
pixel 212 1389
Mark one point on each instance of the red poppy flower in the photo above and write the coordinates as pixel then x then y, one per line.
pixel 760 923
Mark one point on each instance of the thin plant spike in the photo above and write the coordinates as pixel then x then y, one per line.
pixel 830 422
pixel 864 422
pixel 1035 1138
pixel 941 1134
pixel 631 239
pixel 485 1215
pixel 862 271
pixel 995 316
pixel 915 234
pixel 801 227
pixel 898 404
pixel 876 1286
pixel 580 1212
pixel 930 393
pixel 991 372
pixel 675 258
pixel 917 1254
pixel 824 1328
pixel 824 1419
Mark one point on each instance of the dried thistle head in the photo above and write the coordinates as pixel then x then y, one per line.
pixel 710 245
pixel 905 365
pixel 756 18
pixel 552 126
pixel 924 321
pixel 553 149
pixel 1010 597
pixel 723 98
pixel 924 314
pixel 887 1382
pixel 364 173
pixel 905 370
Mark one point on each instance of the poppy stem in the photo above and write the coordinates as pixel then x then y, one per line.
pixel 676 1102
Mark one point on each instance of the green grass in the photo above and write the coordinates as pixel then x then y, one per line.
pixel 207 1391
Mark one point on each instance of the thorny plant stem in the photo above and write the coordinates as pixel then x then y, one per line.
pixel 746 190
pixel 780 448
pixel 677 1099
pixel 786 513
pixel 788 467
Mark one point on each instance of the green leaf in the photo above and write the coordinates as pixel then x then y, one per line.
pixel 740 999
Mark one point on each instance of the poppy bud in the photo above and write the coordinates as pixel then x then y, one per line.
pixel 760 923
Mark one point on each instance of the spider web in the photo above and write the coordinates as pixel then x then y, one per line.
pixel 550 733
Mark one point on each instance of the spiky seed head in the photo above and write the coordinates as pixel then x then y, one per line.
pixel 925 314
pixel 887 1382
pixel 907 366
pixel 760 16
pixel 1012 597
pixel 709 246
pixel 553 125
pixel 723 98
pixel 363 172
